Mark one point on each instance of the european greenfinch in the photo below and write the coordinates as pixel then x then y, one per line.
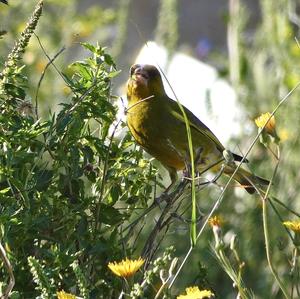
pixel 158 125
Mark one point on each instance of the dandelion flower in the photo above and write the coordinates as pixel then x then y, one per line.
pixel 64 295
pixel 292 225
pixel 126 268
pixel 267 122
pixel 195 293
pixel 215 221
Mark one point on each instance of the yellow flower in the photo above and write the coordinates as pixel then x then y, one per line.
pixel 292 225
pixel 126 268
pixel 215 221
pixel 267 122
pixel 195 293
pixel 64 295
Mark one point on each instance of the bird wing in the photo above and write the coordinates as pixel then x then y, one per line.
pixel 194 122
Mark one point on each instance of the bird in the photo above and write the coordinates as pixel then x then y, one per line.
pixel 4 1
pixel 158 125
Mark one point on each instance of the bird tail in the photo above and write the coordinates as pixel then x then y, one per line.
pixel 246 179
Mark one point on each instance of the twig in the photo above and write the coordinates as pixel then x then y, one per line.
pixel 167 197
pixel 280 218
pixel 285 206
pixel 267 241
pixel 220 198
pixel 149 245
pixel 98 205
pixel 139 102
pixel 43 75
pixel 49 58
pixel 10 272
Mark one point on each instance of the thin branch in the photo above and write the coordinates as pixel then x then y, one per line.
pixel 284 206
pixel 137 103
pixel 149 245
pixel 42 77
pixel 280 219
pixel 267 241
pixel 220 198
pixel 49 58
pixel 98 205
pixel 9 269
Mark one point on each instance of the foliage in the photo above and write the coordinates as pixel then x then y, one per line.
pixel 61 178
pixel 75 189
pixel 54 32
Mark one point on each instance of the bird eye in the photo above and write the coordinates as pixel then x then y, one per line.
pixel 133 68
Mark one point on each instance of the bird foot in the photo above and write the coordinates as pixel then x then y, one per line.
pixel 163 197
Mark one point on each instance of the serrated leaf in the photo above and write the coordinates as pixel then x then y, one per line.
pixel 108 59
pixel 89 47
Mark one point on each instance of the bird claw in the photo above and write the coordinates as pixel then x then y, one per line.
pixel 163 197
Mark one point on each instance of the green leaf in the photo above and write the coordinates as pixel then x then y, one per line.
pixel 114 74
pixel 89 47
pixel 110 215
pixel 62 122
pixel 43 179
pixel 83 69
pixel 4 191
pixel 108 59
pixel 115 193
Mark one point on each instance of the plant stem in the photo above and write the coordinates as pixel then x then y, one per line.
pixel 267 242
pixel 9 269
pixel 266 234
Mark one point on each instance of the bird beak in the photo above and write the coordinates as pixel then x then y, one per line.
pixel 140 77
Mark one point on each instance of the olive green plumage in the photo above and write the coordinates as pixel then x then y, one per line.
pixel 157 124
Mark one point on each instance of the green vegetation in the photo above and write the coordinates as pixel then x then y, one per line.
pixel 76 193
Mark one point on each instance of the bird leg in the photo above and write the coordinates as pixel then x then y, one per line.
pixel 188 167
pixel 198 156
pixel 217 176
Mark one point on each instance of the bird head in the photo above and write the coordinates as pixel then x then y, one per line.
pixel 144 81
